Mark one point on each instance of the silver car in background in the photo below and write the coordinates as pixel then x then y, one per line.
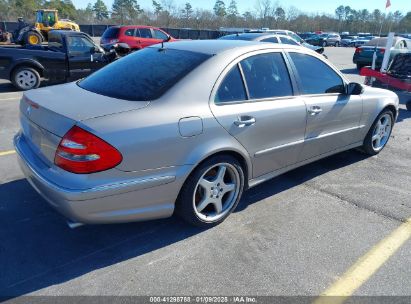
pixel 186 127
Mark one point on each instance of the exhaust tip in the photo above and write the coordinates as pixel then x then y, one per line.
pixel 74 225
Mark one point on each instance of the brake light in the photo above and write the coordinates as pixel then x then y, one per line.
pixel 82 152
pixel 357 50
pixel 382 51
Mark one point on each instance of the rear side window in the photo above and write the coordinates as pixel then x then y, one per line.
pixel 267 76
pixel 271 39
pixel 232 87
pixel 111 32
pixel 144 75
pixel 316 76
pixel 129 32
pixel 144 33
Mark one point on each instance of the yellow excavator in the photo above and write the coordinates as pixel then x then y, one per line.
pixel 46 20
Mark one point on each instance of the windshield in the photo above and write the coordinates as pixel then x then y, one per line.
pixel 111 32
pixel 144 75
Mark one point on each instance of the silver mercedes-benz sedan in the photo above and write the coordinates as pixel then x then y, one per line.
pixel 186 127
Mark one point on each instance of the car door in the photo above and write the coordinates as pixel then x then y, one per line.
pixel 146 37
pixel 130 38
pixel 81 62
pixel 255 103
pixel 333 119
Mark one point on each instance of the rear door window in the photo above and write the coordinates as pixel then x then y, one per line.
pixel 145 33
pixel 232 88
pixel 267 76
pixel 316 77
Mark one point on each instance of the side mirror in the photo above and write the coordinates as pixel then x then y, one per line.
pixel 354 88
pixel 167 39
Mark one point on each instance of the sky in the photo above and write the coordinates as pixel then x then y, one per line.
pixel 308 6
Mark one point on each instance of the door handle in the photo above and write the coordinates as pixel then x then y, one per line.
pixel 244 121
pixel 315 110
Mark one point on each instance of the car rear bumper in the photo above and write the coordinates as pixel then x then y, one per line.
pixel 144 198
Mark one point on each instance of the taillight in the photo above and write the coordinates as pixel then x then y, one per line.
pixel 357 50
pixel 82 152
pixel 382 51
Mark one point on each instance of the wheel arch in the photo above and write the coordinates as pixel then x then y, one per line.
pixel 27 63
pixel 239 156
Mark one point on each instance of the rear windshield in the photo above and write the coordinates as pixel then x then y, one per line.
pixel 111 32
pixel 144 75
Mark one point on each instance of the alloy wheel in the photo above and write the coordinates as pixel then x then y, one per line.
pixel 216 192
pixel 382 132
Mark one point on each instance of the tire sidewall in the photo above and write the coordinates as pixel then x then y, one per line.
pixel 184 204
pixel 32 70
pixel 368 146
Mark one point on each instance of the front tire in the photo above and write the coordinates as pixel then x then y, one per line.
pixel 33 38
pixel 408 105
pixel 379 133
pixel 26 78
pixel 324 43
pixel 211 192
pixel 337 44
pixel 359 66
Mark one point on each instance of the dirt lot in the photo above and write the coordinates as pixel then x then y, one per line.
pixel 294 235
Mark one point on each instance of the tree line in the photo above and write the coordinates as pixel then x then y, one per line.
pixel 165 13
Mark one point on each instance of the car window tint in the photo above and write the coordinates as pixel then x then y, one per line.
pixel 267 76
pixel 316 76
pixel 145 33
pixel 144 75
pixel 271 39
pixel 232 87
pixel 159 35
pixel 286 40
pixel 78 45
pixel 129 32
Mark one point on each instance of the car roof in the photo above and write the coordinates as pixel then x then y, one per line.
pixel 255 36
pixel 214 47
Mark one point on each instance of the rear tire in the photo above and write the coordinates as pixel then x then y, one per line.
pixel 359 66
pixel 26 78
pixel 324 44
pixel 379 133
pixel 337 44
pixel 211 192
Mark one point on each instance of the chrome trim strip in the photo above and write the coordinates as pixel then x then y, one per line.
pixel 271 150
pixel 334 133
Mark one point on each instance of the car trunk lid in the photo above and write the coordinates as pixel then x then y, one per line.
pixel 47 114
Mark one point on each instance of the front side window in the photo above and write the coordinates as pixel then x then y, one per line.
pixel 159 35
pixel 271 39
pixel 232 87
pixel 267 76
pixel 316 77
pixel 78 45
pixel 287 40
